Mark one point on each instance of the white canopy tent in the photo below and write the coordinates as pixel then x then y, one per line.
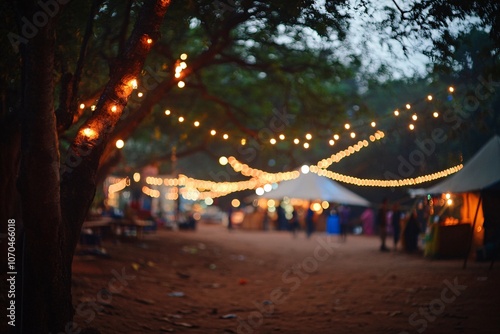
pixel 480 172
pixel 311 186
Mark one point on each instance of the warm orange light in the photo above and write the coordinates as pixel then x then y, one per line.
pixel 88 132
pixel 113 108
pixel 149 41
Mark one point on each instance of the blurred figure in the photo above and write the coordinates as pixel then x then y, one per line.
pixel 309 221
pixel 382 224
pixel 281 220
pixel 344 221
pixel 396 224
pixel 367 217
pixel 412 229
pixel 230 219
pixel 294 223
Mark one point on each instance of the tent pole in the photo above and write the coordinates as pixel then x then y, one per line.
pixel 472 231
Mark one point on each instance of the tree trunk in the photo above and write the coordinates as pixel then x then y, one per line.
pixel 55 202
pixel 45 303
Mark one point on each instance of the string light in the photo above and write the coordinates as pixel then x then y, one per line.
pixel 140 94
pixel 435 114
pixel 118 186
pixel 347 126
pixel 133 83
pixel 272 141
pixel 306 145
pixel 429 97
pixel 336 137
pixel 167 112
pixel 385 183
pixel 408 106
pixel 137 177
pixel 183 56
pixel 451 89
pixel 119 144
pixel 92 107
pixel 243 141
pixel 213 132
pixel 225 136
pixel 181 119
pixel 335 158
pixel 82 106
pixel 181 84
pixel 411 127
pixel 149 41
pixel 113 108
pixel 331 142
pixel 223 161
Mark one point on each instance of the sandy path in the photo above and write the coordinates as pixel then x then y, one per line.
pixel 274 283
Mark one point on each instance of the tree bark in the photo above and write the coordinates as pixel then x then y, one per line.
pixel 45 302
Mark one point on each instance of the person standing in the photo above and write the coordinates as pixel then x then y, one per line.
pixel 344 221
pixel 309 222
pixel 294 223
pixel 396 224
pixel 412 229
pixel 382 224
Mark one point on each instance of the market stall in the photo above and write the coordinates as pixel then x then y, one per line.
pixel 462 222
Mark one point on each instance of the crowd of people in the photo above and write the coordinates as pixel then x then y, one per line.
pixel 403 226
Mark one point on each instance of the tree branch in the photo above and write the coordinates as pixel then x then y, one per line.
pixel 68 105
pixel 81 164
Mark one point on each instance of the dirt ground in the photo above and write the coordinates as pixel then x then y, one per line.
pixel 215 281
